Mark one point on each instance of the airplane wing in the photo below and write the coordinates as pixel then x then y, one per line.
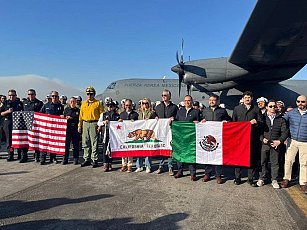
pixel 275 35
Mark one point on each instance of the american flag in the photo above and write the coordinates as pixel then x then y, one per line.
pixel 22 124
pixel 39 131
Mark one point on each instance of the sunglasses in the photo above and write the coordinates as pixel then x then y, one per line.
pixel 89 93
pixel 30 93
pixel 298 101
pixel 145 103
pixel 128 105
pixel 272 106
pixel 54 95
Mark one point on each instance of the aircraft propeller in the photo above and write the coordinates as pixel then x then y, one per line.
pixel 180 68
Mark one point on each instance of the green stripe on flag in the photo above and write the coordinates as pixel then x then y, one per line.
pixel 184 141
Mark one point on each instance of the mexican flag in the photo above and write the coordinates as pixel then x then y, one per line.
pixel 212 142
pixel 140 138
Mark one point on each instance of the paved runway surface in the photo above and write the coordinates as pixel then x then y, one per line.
pixel 70 197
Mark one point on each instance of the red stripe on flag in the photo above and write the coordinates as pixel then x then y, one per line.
pixel 142 153
pixel 236 143
pixel 47 133
pixel 20 139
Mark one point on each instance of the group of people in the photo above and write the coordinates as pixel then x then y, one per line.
pixel 275 132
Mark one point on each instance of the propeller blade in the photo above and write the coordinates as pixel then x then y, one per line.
pixel 181 54
pixel 177 57
pixel 180 80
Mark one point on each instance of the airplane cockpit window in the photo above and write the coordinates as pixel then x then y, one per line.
pixel 112 85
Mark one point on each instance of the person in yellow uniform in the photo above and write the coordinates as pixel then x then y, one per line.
pixel 90 111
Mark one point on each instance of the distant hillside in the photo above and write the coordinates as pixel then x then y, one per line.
pixel 42 85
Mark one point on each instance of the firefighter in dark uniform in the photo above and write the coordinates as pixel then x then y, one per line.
pixel 53 108
pixel 31 104
pixel 71 113
pixel 103 126
pixel 8 107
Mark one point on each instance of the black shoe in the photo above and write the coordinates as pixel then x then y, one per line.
pixel 86 163
pixel 76 161
pixel 37 160
pixel 237 181
pixel 42 162
pixel 251 183
pixel 64 162
pixel 95 164
pixel 23 160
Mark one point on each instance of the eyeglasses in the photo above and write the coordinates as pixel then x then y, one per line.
pixel 164 95
pixel 272 106
pixel 12 95
pixel 54 95
pixel 298 101
pixel 145 103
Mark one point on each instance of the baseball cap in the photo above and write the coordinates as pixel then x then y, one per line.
pixel 108 100
pixel 281 103
pixel 78 98
pixel 63 97
pixel 196 103
pixel 262 99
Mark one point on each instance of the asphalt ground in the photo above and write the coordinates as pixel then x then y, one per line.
pixel 56 196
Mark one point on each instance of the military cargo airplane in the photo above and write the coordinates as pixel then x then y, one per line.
pixel 271 49
pixel 137 89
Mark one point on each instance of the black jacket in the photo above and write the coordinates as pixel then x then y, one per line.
pixel 15 105
pixel 218 114
pixel 163 111
pixel 74 114
pixel 192 115
pixel 131 116
pixel 240 113
pixel 35 105
pixel 52 108
pixel 277 131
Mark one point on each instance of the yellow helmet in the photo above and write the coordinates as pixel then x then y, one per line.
pixel 90 89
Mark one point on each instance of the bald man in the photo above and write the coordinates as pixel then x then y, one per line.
pixel 297 120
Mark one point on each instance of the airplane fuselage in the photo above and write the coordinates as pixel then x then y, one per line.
pixel 137 89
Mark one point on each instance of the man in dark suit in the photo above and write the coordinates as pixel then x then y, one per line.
pixel 248 112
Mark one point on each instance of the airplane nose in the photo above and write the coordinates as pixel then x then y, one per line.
pixel 177 69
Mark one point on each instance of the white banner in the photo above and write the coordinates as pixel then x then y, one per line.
pixel 140 138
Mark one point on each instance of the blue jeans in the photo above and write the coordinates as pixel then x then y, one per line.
pixel 140 160
pixel 169 162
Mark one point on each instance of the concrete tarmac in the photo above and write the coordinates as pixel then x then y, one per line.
pixel 59 196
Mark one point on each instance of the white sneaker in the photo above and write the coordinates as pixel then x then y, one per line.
pixel 275 184
pixel 159 171
pixel 139 170
pixel 260 183
pixel 148 170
